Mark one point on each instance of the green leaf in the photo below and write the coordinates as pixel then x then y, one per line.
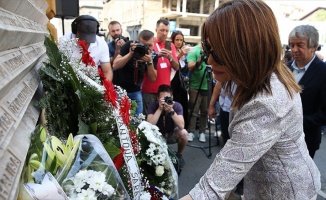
pixel 112 150
pixel 36 146
pixel 53 166
pixel 50 72
pixel 93 128
pixel 52 52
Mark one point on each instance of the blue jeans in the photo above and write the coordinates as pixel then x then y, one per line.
pixel 139 100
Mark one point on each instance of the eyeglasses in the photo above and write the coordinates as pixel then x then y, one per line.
pixel 207 50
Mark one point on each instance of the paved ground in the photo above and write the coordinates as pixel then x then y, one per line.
pixel 197 163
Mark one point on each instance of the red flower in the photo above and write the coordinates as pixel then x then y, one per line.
pixel 110 93
pixel 83 45
pixel 134 141
pixel 124 110
pixel 87 58
pixel 155 193
pixel 118 160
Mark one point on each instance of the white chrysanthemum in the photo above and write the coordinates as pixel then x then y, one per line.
pixel 86 194
pixel 150 152
pixel 145 196
pixel 78 184
pixel 154 159
pixel 159 150
pixel 108 190
pixel 97 181
pixel 159 170
pixel 152 146
pixel 161 158
pixel 83 174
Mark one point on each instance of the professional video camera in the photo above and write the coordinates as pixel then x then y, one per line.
pixel 168 100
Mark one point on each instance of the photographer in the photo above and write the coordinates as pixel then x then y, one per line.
pixel 117 40
pixel 167 62
pixel 198 93
pixel 135 59
pixel 168 116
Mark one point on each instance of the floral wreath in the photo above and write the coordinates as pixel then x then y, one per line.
pixel 95 106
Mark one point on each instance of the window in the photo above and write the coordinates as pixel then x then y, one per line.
pixel 193 6
pixel 194 30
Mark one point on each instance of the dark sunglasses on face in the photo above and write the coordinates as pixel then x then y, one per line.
pixel 207 50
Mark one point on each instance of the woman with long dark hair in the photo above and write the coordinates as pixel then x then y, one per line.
pixel 267 146
pixel 180 79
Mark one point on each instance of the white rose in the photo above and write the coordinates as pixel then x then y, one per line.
pixel 159 170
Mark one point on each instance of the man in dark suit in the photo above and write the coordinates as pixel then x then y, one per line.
pixel 310 72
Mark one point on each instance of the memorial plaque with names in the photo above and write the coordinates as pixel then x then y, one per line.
pixel 8 18
pixel 11 166
pixel 26 22
pixel 23 25
pixel 29 52
pixel 24 91
pixel 11 60
pixel 6 123
pixel 14 104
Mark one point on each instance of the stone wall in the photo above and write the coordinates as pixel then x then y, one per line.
pixel 23 26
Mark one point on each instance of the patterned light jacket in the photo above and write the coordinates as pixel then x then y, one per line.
pixel 267 149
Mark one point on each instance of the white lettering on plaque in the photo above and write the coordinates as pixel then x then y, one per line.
pixel 6 122
pixel 7 178
pixel 9 18
pixel 16 105
pixel 10 61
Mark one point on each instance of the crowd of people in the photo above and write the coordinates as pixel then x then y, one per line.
pixel 272 105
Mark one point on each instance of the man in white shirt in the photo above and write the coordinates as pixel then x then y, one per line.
pixel 86 27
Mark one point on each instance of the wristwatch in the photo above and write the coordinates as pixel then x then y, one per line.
pixel 171 113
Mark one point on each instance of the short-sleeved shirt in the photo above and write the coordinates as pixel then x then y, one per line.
pixel 199 73
pixel 111 46
pixel 163 68
pixel 169 124
pixel 98 50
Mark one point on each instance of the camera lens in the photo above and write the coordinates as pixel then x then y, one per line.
pixel 168 100
pixel 140 50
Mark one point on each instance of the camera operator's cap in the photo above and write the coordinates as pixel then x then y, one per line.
pixel 87 30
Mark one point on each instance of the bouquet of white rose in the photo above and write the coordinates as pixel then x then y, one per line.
pixel 159 173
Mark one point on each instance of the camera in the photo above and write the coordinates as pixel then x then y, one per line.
pixel 140 50
pixel 203 57
pixel 168 100
pixel 126 39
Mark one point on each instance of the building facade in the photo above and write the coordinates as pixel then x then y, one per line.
pixel 189 15
pixel 185 15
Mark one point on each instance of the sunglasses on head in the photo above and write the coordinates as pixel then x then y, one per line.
pixel 208 51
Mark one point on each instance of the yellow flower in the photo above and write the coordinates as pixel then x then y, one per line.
pixel 59 150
